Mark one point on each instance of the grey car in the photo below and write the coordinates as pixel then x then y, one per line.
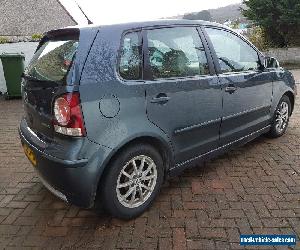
pixel 112 111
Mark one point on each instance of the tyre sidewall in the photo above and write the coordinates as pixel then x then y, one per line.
pixel 273 131
pixel 110 199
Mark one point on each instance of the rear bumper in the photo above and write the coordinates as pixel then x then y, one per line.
pixel 53 190
pixel 74 181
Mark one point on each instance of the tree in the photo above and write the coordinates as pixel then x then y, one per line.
pixel 279 19
pixel 202 15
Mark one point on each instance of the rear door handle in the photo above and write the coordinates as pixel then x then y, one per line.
pixel 160 99
pixel 230 89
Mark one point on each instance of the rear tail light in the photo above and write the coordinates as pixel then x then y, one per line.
pixel 68 115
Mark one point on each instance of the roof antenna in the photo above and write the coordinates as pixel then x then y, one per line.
pixel 89 21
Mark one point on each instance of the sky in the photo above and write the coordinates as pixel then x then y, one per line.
pixel 118 11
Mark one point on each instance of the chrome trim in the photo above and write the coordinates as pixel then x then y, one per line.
pixel 216 149
pixel 245 112
pixel 52 189
pixel 35 135
pixel 181 130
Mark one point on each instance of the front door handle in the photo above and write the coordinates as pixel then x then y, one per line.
pixel 161 98
pixel 230 89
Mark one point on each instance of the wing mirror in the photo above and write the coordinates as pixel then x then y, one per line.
pixel 271 62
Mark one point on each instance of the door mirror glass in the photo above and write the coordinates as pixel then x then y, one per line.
pixel 271 62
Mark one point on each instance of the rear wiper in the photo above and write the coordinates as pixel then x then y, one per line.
pixel 28 77
pixel 45 83
pixel 31 78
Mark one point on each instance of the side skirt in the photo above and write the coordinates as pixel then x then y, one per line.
pixel 178 168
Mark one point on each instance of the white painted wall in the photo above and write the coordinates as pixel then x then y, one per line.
pixel 28 48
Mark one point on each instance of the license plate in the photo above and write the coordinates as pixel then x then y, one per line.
pixel 30 154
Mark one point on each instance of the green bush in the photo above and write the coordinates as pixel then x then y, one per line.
pixel 3 39
pixel 279 19
pixel 258 37
pixel 36 37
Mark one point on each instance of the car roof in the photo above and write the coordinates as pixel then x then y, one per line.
pixel 155 23
pixel 164 22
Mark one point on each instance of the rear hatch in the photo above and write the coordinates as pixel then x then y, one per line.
pixel 46 77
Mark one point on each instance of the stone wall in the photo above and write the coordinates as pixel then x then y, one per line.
pixel 286 55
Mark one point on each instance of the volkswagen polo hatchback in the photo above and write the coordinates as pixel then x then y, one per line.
pixel 112 111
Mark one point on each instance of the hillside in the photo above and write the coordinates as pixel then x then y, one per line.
pixel 231 12
pixel 220 15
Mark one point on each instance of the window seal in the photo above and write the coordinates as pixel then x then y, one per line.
pixel 214 54
pixel 126 32
pixel 147 68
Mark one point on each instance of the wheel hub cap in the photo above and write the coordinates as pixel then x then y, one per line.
pixel 282 115
pixel 136 181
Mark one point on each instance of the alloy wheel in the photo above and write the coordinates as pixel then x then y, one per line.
pixel 282 116
pixel 136 181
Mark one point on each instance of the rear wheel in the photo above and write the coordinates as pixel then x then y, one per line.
pixel 281 118
pixel 133 180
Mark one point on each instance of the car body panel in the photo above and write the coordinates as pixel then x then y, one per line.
pixel 117 112
pixel 119 107
pixel 248 108
pixel 182 118
pixel 71 166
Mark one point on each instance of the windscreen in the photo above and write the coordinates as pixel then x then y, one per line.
pixel 52 61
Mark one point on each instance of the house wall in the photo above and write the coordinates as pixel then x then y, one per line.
pixel 28 48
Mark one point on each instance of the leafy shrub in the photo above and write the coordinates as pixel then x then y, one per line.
pixel 279 19
pixel 3 39
pixel 258 37
pixel 36 37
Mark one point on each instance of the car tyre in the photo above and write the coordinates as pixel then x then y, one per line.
pixel 280 118
pixel 133 180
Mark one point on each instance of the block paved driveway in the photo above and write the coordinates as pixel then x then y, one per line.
pixel 254 189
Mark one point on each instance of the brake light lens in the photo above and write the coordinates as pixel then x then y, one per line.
pixel 62 111
pixel 68 115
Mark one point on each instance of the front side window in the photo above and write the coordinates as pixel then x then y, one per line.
pixel 234 54
pixel 176 52
pixel 131 57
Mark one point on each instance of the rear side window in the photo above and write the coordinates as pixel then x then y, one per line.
pixel 53 60
pixel 130 66
pixel 176 52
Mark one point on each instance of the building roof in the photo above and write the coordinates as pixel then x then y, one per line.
pixel 24 18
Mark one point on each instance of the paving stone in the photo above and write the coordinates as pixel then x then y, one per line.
pixel 253 189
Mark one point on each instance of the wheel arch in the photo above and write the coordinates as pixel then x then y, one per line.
pixel 163 146
pixel 291 96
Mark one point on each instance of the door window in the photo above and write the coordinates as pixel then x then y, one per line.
pixel 234 54
pixel 130 58
pixel 176 52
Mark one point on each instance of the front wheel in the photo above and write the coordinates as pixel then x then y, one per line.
pixel 281 118
pixel 133 180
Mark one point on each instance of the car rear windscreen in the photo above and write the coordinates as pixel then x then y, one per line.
pixel 52 61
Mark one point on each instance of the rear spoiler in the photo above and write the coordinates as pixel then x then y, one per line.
pixel 60 34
